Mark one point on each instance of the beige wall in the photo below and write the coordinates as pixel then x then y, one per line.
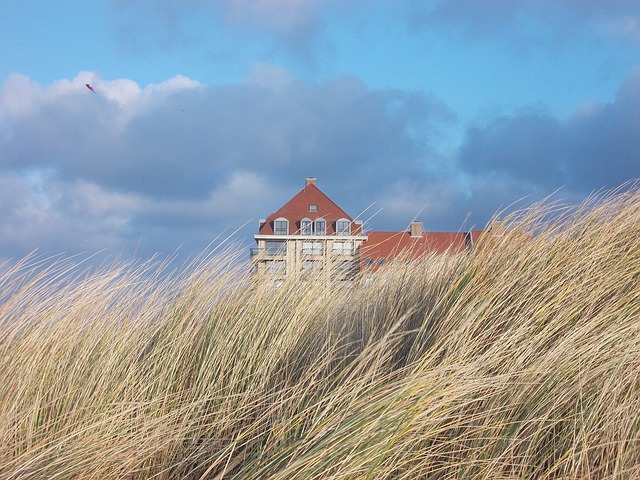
pixel 327 253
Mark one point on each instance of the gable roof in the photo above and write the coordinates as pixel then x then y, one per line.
pixel 299 207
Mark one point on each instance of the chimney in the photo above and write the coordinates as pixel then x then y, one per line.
pixel 416 229
pixel 310 181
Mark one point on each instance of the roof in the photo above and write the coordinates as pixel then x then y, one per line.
pixel 299 207
pixel 382 247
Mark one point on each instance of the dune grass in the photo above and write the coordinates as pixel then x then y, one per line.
pixel 520 359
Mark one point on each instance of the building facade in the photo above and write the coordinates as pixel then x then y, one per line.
pixel 309 235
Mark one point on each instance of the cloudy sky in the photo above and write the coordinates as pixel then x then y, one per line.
pixel 208 114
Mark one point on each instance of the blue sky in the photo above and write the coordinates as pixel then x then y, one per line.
pixel 209 114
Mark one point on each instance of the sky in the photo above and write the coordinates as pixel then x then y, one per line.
pixel 208 115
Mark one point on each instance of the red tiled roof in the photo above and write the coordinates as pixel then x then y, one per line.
pixel 382 247
pixel 299 207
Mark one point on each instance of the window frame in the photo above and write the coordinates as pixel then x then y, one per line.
pixel 345 268
pixel 344 248
pixel 276 267
pixel 275 248
pixel 278 231
pixel 306 226
pixel 324 226
pixel 312 267
pixel 341 231
pixel 312 249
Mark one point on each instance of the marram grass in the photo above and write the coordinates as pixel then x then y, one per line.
pixel 518 360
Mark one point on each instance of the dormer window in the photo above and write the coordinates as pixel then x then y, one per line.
pixel 321 227
pixel 306 226
pixel 313 207
pixel 281 226
pixel 343 227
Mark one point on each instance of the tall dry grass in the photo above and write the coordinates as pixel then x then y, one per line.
pixel 518 360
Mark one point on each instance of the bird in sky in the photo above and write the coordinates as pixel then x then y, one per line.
pixel 90 87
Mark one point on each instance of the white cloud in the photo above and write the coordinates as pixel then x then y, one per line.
pixel 35 217
pixel 183 160
pixel 19 95
pixel 175 84
pixel 178 162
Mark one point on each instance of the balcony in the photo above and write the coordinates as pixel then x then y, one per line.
pixel 277 249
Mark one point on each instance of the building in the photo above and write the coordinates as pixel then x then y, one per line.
pixel 311 235
pixel 382 248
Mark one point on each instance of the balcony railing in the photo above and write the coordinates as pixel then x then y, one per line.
pixel 268 252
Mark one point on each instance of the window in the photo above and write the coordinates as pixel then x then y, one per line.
pixel 306 227
pixel 276 267
pixel 281 226
pixel 313 207
pixel 368 261
pixel 343 227
pixel 343 248
pixel 312 248
pixel 276 248
pixel 311 266
pixel 344 268
pixel 321 227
